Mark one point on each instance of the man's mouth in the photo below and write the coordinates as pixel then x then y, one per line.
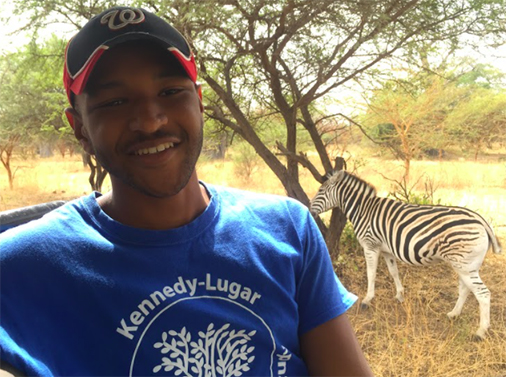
pixel 153 150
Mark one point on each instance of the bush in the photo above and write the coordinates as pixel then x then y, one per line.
pixel 245 160
pixel 406 194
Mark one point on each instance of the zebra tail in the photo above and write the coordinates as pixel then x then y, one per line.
pixel 496 246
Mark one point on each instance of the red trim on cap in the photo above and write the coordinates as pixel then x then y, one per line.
pixel 188 64
pixel 77 86
pixel 70 119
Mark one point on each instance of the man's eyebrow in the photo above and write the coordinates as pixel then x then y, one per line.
pixel 170 73
pixel 94 89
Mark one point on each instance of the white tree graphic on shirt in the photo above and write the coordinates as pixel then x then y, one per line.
pixel 217 353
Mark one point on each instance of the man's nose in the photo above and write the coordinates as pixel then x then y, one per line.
pixel 147 116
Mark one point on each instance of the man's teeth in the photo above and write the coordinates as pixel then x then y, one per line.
pixel 152 150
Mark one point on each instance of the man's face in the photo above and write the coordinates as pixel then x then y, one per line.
pixel 142 119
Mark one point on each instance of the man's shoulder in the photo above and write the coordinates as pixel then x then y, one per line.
pixel 229 194
pixel 52 225
pixel 241 201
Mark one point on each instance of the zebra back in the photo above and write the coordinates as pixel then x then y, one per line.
pixel 416 234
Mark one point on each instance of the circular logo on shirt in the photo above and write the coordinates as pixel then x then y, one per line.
pixel 181 341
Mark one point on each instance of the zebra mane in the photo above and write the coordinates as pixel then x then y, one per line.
pixel 339 175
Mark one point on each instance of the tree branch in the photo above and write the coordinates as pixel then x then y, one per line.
pixel 302 159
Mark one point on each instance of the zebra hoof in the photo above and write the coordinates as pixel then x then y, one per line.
pixel 477 338
pixel 451 316
pixel 479 335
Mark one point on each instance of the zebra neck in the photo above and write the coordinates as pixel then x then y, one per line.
pixel 355 204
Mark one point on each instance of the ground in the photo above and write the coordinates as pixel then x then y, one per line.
pixel 416 338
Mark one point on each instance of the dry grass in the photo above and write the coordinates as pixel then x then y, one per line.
pixel 416 338
pixel 411 339
pixel 43 180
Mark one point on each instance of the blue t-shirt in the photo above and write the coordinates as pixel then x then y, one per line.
pixel 226 295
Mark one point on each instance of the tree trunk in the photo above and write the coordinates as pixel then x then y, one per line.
pixel 334 231
pixel 222 147
pixel 45 150
pixel 5 157
pixel 407 164
pixel 10 175
pixel 337 220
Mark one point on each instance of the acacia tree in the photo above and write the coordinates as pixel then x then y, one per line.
pixel 408 119
pixel 286 56
pixel 31 97
pixel 430 110
pixel 479 120
pixel 10 135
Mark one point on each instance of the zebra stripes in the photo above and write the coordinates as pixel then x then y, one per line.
pixel 416 234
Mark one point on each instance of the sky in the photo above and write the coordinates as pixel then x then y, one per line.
pixel 10 41
pixel 9 24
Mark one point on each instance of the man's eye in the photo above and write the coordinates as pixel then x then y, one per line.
pixel 171 91
pixel 113 103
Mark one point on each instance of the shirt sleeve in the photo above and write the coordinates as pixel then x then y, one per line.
pixel 320 294
pixel 12 312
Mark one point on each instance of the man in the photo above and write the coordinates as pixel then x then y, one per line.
pixel 164 275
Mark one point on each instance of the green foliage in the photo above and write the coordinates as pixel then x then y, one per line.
pixel 32 98
pixel 349 247
pixel 349 241
pixel 478 120
pixel 463 106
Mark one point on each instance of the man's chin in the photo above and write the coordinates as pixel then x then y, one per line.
pixel 159 193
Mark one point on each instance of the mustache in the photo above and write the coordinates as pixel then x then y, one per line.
pixel 141 137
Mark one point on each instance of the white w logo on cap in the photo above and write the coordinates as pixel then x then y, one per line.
pixel 126 16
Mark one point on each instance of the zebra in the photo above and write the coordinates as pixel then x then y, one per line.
pixel 416 234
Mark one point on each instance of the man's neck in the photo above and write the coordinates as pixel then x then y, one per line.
pixel 135 209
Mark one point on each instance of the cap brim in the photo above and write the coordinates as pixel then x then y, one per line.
pixel 78 82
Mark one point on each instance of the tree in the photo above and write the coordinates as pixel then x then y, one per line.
pixel 434 109
pixel 31 97
pixel 405 116
pixel 285 56
pixel 480 117
pixel 479 120
pixel 32 103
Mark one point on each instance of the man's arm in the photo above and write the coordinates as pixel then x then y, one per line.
pixel 332 349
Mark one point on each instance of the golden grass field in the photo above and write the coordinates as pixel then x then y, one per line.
pixel 410 339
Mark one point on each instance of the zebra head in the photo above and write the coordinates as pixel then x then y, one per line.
pixel 326 197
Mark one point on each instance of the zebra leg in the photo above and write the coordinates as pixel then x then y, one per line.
pixel 371 259
pixel 474 283
pixel 463 293
pixel 394 272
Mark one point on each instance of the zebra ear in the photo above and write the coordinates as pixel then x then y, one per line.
pixel 331 174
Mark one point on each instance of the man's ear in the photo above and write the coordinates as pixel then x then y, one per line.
pixel 80 132
pixel 198 88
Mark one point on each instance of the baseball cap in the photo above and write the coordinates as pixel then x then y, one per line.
pixel 114 26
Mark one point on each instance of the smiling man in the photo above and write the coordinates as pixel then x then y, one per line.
pixel 164 274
